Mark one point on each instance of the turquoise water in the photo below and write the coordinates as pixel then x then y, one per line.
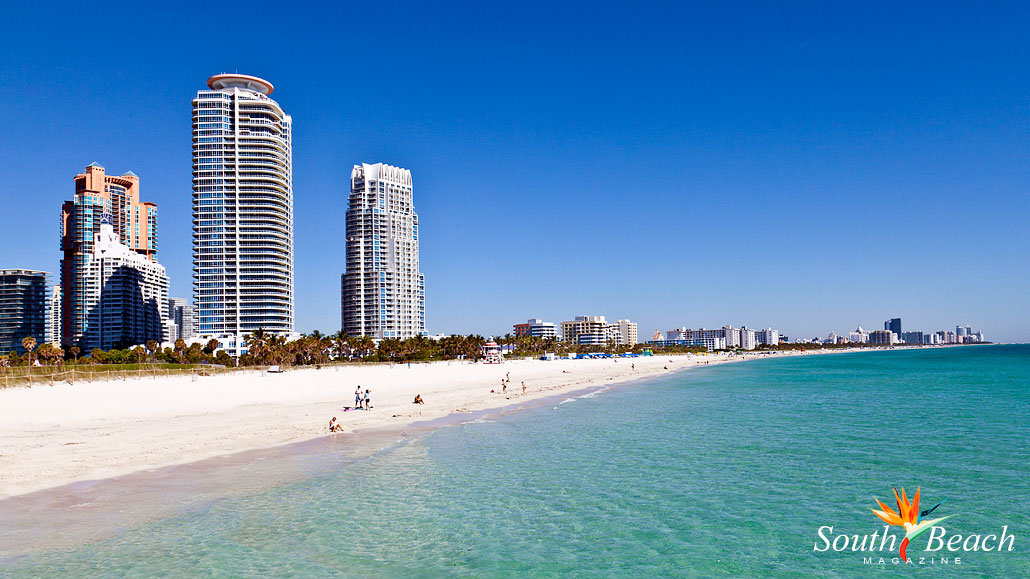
pixel 719 471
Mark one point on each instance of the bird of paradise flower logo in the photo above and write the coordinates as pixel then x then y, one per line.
pixel 907 516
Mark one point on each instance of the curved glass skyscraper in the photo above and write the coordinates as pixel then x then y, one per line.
pixel 242 211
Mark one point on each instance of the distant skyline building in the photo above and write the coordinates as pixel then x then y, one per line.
pixel 747 339
pixel 893 326
pixel 54 316
pixel 99 197
pixel 23 308
pixel 181 314
pixel 627 332
pixel 709 344
pixel 537 328
pixel 769 337
pixel 859 336
pixel 382 291
pixel 731 334
pixel 744 338
pixel 598 331
pixel 883 337
pixel 912 337
pixel 589 330
pixel 243 262
pixel 126 295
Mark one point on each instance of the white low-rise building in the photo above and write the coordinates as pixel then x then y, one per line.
pixel 743 337
pixel 126 295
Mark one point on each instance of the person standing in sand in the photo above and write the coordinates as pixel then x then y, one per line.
pixel 368 399
pixel 357 397
pixel 523 386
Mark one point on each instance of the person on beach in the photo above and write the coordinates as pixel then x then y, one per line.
pixel 504 387
pixel 368 399
pixel 418 399
pixel 523 386
pixel 335 426
pixel 357 397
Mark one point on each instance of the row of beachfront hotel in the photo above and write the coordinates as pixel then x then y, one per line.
pixel 597 331
pixel 112 291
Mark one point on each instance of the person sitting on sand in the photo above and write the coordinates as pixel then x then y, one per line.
pixel 335 426
pixel 418 399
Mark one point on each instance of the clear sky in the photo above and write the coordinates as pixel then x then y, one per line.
pixel 809 167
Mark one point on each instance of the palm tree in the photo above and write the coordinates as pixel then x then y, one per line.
pixel 151 349
pixel 340 342
pixel 325 346
pixel 45 353
pixel 210 347
pixel 74 351
pixel 180 349
pixel 29 343
pixel 257 344
pixel 365 345
pixel 194 353
pixel 473 345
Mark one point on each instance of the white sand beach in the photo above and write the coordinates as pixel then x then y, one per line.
pixel 55 435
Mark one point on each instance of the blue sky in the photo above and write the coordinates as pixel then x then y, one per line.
pixel 802 166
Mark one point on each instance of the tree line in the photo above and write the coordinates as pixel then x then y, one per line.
pixel 151 352
pixel 264 348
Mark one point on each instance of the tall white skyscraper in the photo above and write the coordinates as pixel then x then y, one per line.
pixel 382 291
pixel 242 211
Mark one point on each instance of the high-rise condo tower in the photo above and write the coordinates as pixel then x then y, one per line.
pixel 99 198
pixel 382 291
pixel 242 211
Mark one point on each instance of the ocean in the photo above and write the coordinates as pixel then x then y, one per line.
pixel 727 470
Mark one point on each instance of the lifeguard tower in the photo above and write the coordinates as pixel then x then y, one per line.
pixel 492 353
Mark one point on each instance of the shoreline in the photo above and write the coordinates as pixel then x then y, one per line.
pixel 53 437
pixel 88 509
pixel 61 435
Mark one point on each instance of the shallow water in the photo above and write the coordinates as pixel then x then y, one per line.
pixel 727 470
